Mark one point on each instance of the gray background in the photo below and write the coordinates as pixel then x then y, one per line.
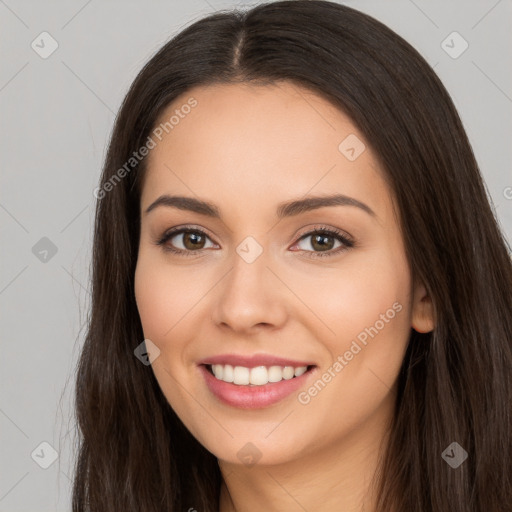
pixel 56 116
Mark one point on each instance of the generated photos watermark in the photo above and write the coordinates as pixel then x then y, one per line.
pixel 304 397
pixel 151 142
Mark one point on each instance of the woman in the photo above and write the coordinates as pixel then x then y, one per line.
pixel 301 297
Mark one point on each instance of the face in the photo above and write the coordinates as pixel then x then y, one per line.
pixel 260 286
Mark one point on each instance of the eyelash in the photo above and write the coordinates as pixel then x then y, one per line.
pixel 347 242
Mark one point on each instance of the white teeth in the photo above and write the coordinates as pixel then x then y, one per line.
pixel 288 372
pixel 275 374
pixel 300 371
pixel 217 370
pixel 257 376
pixel 241 375
pixel 227 375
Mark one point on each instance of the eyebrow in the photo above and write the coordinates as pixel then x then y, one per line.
pixel 288 209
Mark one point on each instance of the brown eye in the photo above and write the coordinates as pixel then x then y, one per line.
pixel 193 240
pixel 184 241
pixel 322 242
pixel 319 241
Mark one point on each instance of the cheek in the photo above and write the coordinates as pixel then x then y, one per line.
pixel 153 303
pixel 164 316
pixel 353 296
pixel 364 307
pixel 163 296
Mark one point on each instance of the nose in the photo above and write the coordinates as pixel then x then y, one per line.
pixel 250 297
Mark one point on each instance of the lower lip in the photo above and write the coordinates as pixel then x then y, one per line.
pixel 253 397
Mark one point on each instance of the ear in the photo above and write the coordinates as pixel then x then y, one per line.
pixel 422 317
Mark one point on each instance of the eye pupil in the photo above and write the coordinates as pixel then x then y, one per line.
pixel 320 239
pixel 193 237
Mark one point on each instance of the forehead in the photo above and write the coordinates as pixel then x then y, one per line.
pixel 260 144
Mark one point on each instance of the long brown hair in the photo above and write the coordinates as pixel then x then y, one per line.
pixel 455 384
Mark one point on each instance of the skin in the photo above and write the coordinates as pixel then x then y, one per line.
pixel 246 149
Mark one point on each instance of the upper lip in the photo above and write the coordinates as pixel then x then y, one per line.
pixel 254 360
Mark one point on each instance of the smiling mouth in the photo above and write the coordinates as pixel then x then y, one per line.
pixel 256 376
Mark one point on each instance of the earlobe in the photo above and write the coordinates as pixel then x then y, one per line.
pixel 422 318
